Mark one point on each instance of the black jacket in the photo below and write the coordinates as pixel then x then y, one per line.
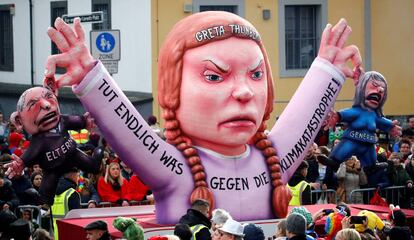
pixel 63 185
pixel 105 236
pixel 51 150
pixel 399 233
pixel 194 217
pixel 7 195
pixel 298 237
pixel 20 185
pixel 313 169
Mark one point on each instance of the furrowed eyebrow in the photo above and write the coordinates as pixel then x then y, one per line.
pixel 257 65
pixel 219 65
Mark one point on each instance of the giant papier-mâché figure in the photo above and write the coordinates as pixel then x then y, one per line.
pixel 363 119
pixel 216 91
pixel 51 145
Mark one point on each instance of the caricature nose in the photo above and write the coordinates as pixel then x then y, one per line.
pixel 242 92
pixel 381 89
pixel 45 104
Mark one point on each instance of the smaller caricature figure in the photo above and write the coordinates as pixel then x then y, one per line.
pixel 363 119
pixel 51 146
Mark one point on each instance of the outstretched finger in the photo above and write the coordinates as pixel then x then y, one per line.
pixel 344 37
pixel 9 172
pixel 67 32
pixel 337 31
pixel 80 32
pixel 326 34
pixel 58 38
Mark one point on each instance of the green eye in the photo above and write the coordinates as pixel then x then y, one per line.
pixel 257 75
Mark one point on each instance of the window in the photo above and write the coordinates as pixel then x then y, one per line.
pixel 233 6
pixel 300 27
pixel 6 39
pixel 105 7
pixel 227 8
pixel 57 9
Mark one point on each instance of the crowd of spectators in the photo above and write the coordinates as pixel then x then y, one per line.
pixel 114 185
pixel 300 224
pixel 393 171
pixel 117 185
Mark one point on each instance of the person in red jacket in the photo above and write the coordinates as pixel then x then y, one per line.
pixel 113 187
pixel 137 190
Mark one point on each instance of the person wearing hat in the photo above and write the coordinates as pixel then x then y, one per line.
pixel 296 227
pixel 310 225
pixel 20 230
pixel 231 230
pixel 219 217
pixel 6 218
pixel 97 230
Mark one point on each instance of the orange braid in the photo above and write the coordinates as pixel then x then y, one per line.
pixel 175 136
pixel 280 194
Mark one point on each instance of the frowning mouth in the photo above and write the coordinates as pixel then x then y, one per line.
pixel 239 121
pixel 374 97
pixel 48 118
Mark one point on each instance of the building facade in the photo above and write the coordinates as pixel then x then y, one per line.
pixel 291 31
pixel 25 46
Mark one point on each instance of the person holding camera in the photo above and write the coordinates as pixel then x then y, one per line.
pixel 367 223
pixel 351 176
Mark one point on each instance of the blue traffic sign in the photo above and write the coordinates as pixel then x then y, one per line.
pixel 105 42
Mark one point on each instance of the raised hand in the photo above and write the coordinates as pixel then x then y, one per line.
pixel 396 130
pixel 75 56
pixel 332 49
pixel 331 120
pixel 15 168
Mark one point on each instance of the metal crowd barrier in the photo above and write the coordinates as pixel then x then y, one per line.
pixel 319 196
pixel 394 194
pixel 42 221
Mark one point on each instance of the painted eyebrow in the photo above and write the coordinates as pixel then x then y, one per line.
pixel 47 93
pixel 257 65
pixel 219 65
pixel 31 101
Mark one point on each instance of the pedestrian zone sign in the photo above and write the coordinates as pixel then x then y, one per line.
pixel 106 45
